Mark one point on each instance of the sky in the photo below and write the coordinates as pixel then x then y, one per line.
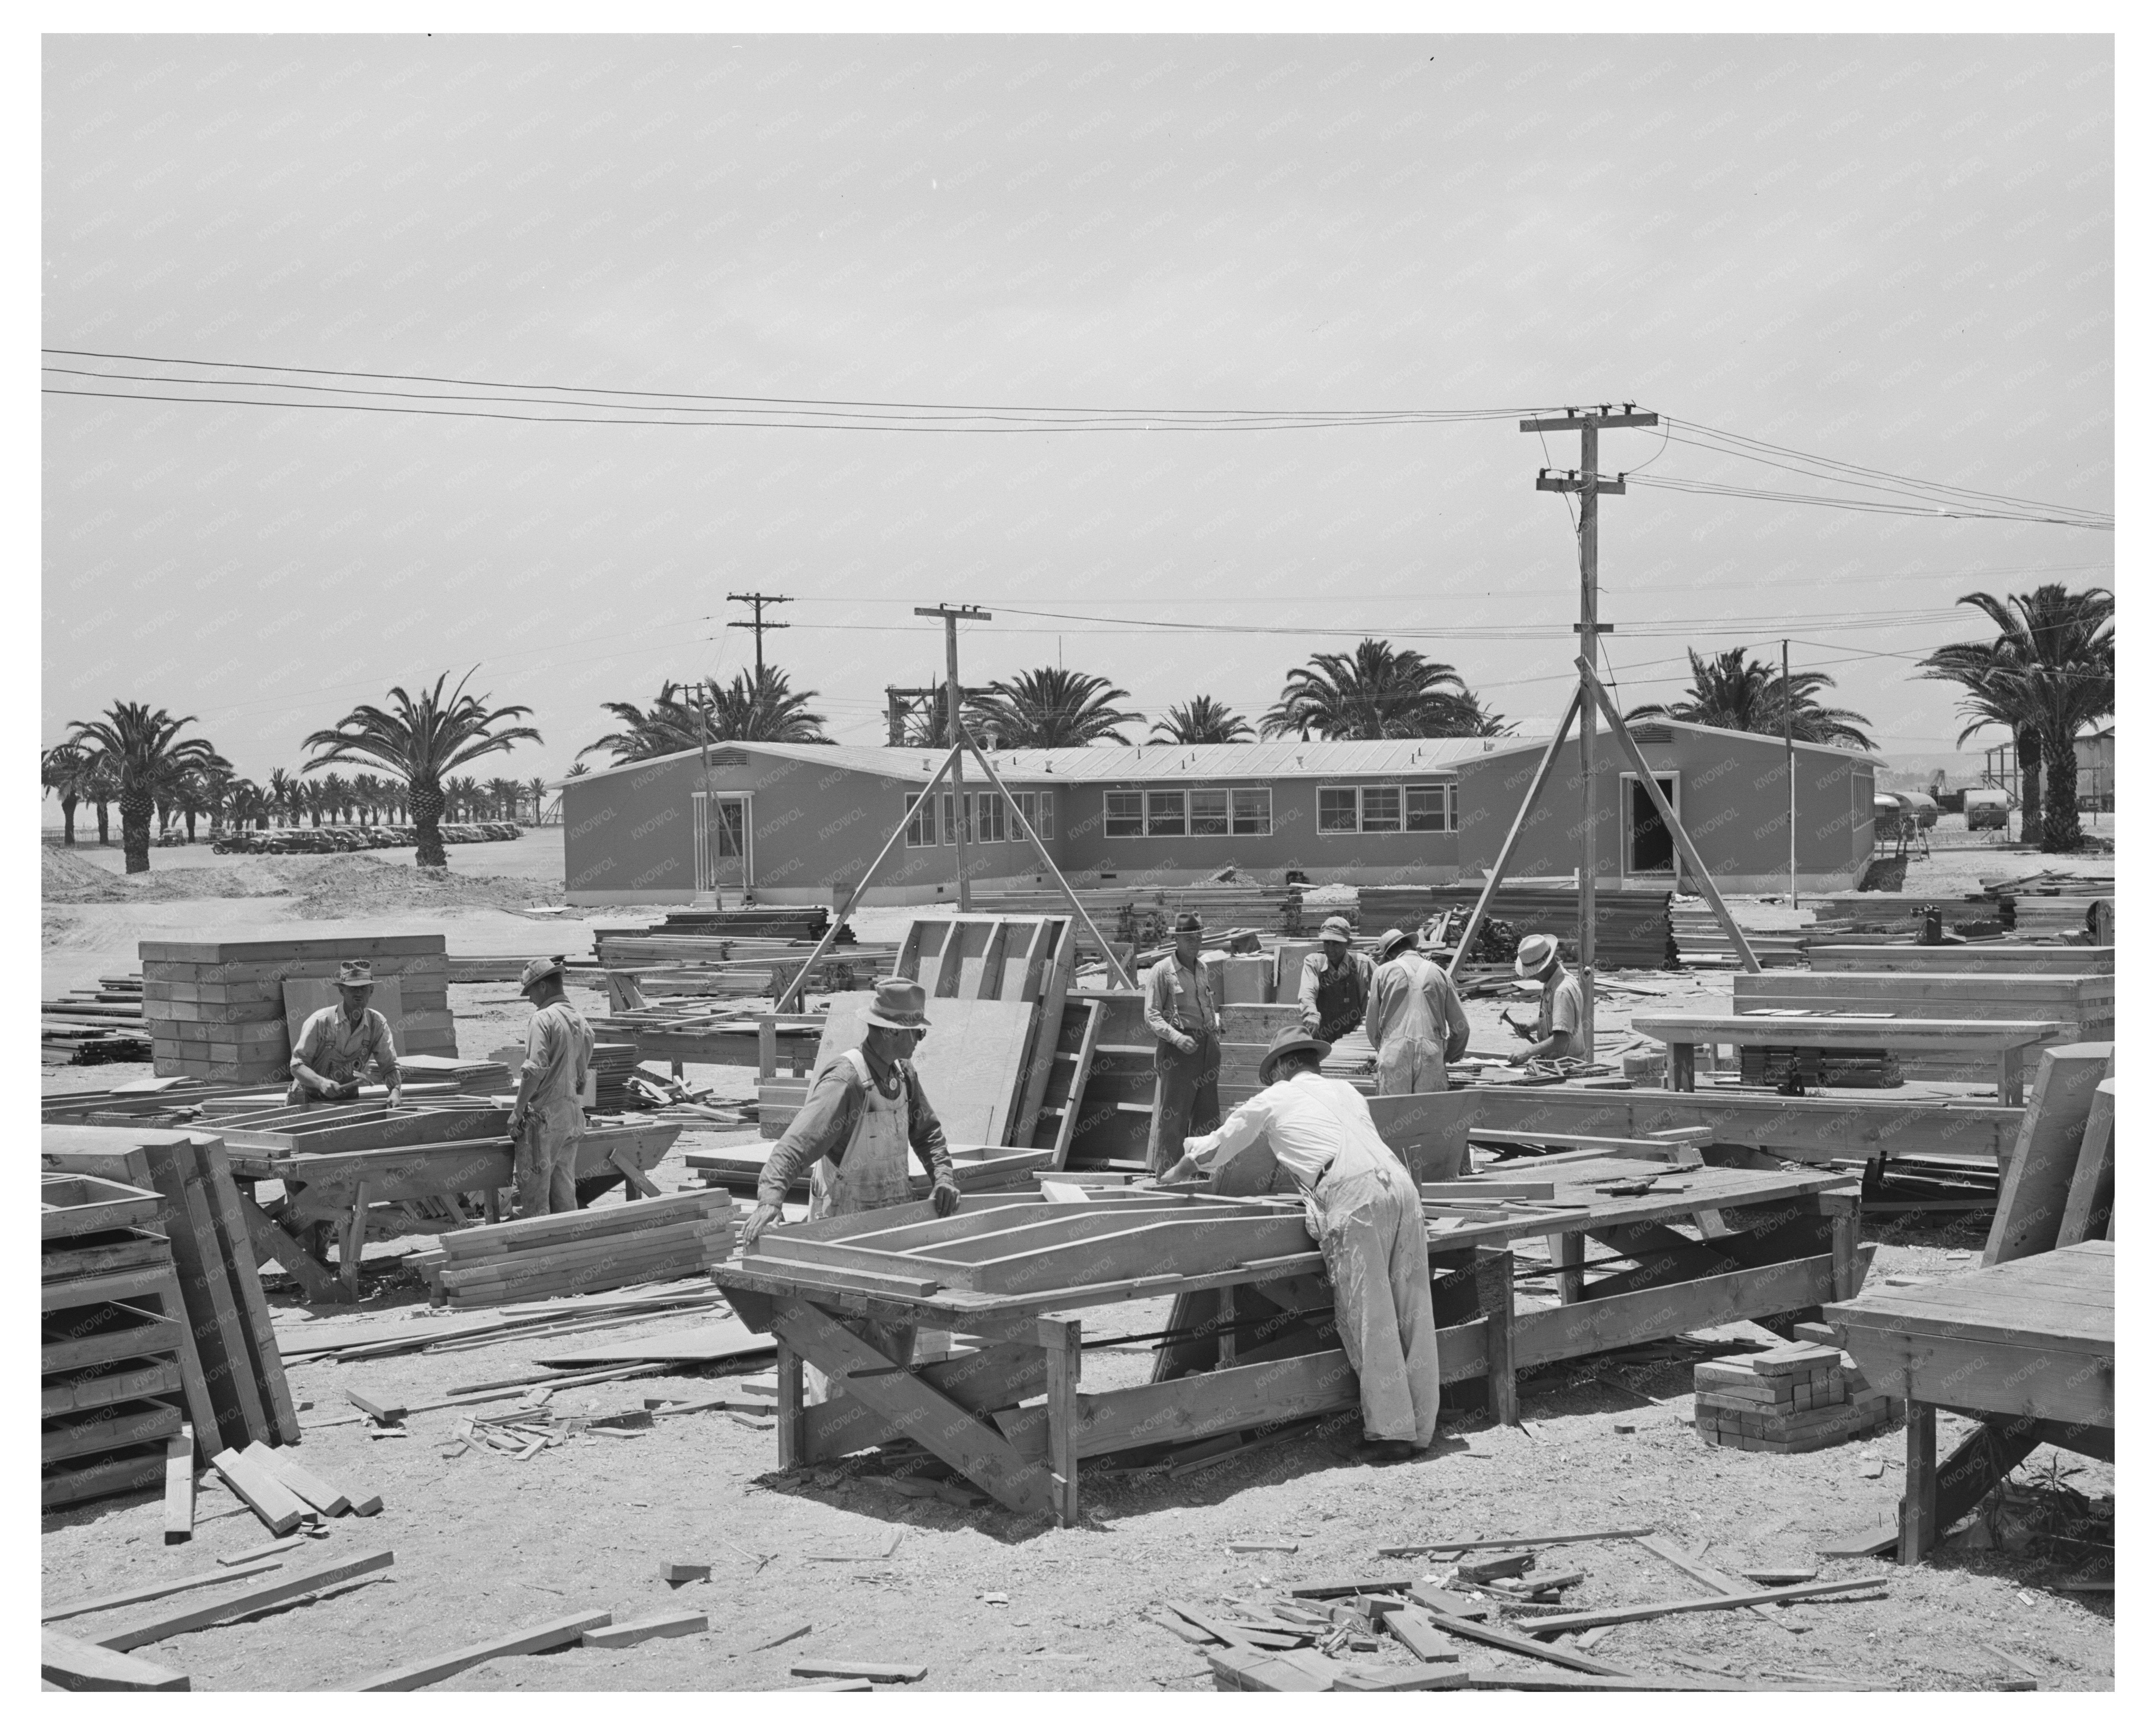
pixel 1896 252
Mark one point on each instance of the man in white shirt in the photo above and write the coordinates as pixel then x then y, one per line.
pixel 1365 1212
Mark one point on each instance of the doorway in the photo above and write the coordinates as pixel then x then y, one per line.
pixel 719 837
pixel 1649 847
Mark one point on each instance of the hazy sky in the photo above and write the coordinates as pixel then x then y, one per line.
pixel 1896 252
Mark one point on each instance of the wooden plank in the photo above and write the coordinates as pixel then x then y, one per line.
pixel 999 1376
pixel 1707 1578
pixel 1622 1320
pixel 537 1638
pixel 285 1468
pixel 180 1485
pixel 67 1663
pixel 1059 1342
pixel 260 1491
pixel 1413 1628
pixel 272 1244
pixel 1050 959
pixel 648 1629
pixel 79 1395
pixel 2043 1382
pixel 1081 1069
pixel 2088 1204
pixel 1440 1547
pixel 213 1307
pixel 2033 1191
pixel 1569 1620
pixel 236 1245
pixel 1179 1247
pixel 288 1586
pixel 1505 1641
pixel 153 1590
pixel 872 1670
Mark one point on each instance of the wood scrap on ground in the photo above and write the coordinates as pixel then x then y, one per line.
pixel 537 1638
pixel 289 1585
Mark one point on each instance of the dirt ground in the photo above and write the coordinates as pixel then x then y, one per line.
pixel 1015 1604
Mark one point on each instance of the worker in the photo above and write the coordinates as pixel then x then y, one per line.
pixel 864 1111
pixel 1556 1033
pixel 1335 989
pixel 1365 1212
pixel 1416 1022
pixel 547 1122
pixel 1179 1011
pixel 337 1043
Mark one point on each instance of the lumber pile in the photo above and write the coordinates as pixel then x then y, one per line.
pixel 1841 1068
pixel 91 1027
pixel 1632 925
pixel 327 841
pixel 215 1009
pixel 1798 1397
pixel 581 1251
pixel 613 1072
pixel 215 1288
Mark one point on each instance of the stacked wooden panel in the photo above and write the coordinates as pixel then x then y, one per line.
pixel 120 1371
pixel 218 1288
pixel 581 1251
pixel 91 1027
pixel 1119 1089
pixel 216 1008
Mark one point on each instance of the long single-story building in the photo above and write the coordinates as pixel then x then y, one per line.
pixel 801 823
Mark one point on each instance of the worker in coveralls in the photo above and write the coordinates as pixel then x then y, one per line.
pixel 1334 991
pixel 1415 1022
pixel 1557 1032
pixel 336 1043
pixel 1179 1011
pixel 865 1111
pixel 546 1122
pixel 1365 1211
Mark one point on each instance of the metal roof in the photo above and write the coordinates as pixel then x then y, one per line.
pixel 1521 747
pixel 1161 763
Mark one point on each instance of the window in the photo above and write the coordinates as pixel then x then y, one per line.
pixel 1208 815
pixel 1336 809
pixel 1431 808
pixel 919 823
pixel 1253 811
pixel 1164 815
pixel 1381 808
pixel 988 819
pixel 1123 814
pixel 950 821
pixel 1039 808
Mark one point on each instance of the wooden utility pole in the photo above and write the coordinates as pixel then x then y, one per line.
pixel 759 600
pixel 955 694
pixel 1789 762
pixel 1587 481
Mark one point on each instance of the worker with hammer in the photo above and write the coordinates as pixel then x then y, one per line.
pixel 1180 1012
pixel 1364 1209
pixel 337 1043
pixel 867 1112
pixel 1334 991
pixel 1416 1022
pixel 1555 1035
pixel 546 1122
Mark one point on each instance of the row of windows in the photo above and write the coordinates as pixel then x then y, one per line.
pixel 1241 812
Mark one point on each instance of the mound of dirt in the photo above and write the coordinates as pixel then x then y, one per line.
pixel 359 886
pixel 71 880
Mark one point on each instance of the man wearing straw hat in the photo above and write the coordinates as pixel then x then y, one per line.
pixel 865 1112
pixel 546 1122
pixel 1364 1209
pixel 337 1043
pixel 1180 1012
pixel 1556 1035
pixel 1416 1022
pixel 1334 989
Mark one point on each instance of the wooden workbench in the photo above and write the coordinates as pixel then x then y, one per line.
pixel 1996 1040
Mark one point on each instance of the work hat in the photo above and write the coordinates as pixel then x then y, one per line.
pixel 539 969
pixel 1289 1040
pixel 1537 952
pixel 901 1004
pixel 1190 922
pixel 1336 928
pixel 354 973
pixel 1392 940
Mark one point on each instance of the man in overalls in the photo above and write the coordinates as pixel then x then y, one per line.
pixel 1416 1022
pixel 547 1122
pixel 1365 1212
pixel 865 1111
pixel 1180 1012
pixel 336 1043
pixel 1335 987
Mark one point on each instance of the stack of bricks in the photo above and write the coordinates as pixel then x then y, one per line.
pixel 1802 1396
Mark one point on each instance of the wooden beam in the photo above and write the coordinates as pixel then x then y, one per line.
pixel 1621 1319
pixel 180 1485
pixel 152 1591
pixel 272 1242
pixel 1497 875
pixel 66 1663
pixel 559 1632
pixel 288 1586
pixel 1920 1498
pixel 1060 1342
pixel 2088 1205
pixel 1570 1621
pixel 1440 1547
pixel 1526 1646
pixel 285 1468
pixel 1493 1296
pixel 260 1491
pixel 2032 1194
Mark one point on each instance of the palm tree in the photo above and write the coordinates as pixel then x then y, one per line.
pixel 1376 692
pixel 1052 708
pixel 1733 691
pixel 1202 719
pixel 63 770
pixel 751 709
pixel 506 793
pixel 2049 672
pixel 535 789
pixel 927 726
pixel 192 798
pixel 419 740
pixel 139 747
pixel 100 789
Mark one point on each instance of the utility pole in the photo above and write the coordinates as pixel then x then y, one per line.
pixel 1789 762
pixel 954 694
pixel 759 600
pixel 1587 481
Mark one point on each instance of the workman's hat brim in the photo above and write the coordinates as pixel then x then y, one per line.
pixel 1290 1041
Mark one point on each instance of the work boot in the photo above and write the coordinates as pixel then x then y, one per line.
pixel 1385 1452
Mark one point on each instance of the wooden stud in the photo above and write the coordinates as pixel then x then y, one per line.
pixel 289 1585
pixel 1921 1483
pixel 1568 1253
pixel 180 1485
pixel 874 1672
pixel 260 1491
pixel 792 1424
pixel 1680 1066
pixel 66 1663
pixel 272 1242
pixel 1569 1620
pixel 536 1639
pixel 153 1590
pixel 648 1629
pixel 1493 1290
pixel 317 1494
pixel 1848 1268
pixel 354 1243
pixel 1225 1325
pixel 1060 1341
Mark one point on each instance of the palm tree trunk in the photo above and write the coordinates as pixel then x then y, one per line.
pixel 190 819
pixel 2029 757
pixel 134 812
pixel 2063 819
pixel 67 821
pixel 104 822
pixel 427 805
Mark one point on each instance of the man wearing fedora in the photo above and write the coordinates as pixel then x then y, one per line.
pixel 1180 1012
pixel 337 1043
pixel 546 1122
pixel 1334 991
pixel 1416 1022
pixel 1556 1035
pixel 1365 1211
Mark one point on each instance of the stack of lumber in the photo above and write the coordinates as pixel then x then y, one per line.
pixel 1701 941
pixel 1989 957
pixel 218 1293
pixel 613 1067
pixel 2050 904
pixel 1632 925
pixel 323 841
pixel 90 1027
pixel 1839 1068
pixel 1801 1396
pixel 580 1252
pixel 216 1009
pixel 1145 917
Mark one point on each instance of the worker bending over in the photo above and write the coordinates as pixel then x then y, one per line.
pixel 1365 1211
pixel 547 1122
pixel 1180 1012
pixel 1416 1022
pixel 1556 1035
pixel 1335 989
pixel 336 1043
pixel 865 1111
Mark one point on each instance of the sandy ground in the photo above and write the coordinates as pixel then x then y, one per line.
pixel 474 1558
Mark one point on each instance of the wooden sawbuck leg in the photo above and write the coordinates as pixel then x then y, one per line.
pixel 1060 1341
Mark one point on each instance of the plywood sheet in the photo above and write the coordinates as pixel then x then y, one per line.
pixel 970 1061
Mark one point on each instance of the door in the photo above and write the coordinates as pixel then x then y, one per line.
pixel 719 837
pixel 1649 848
